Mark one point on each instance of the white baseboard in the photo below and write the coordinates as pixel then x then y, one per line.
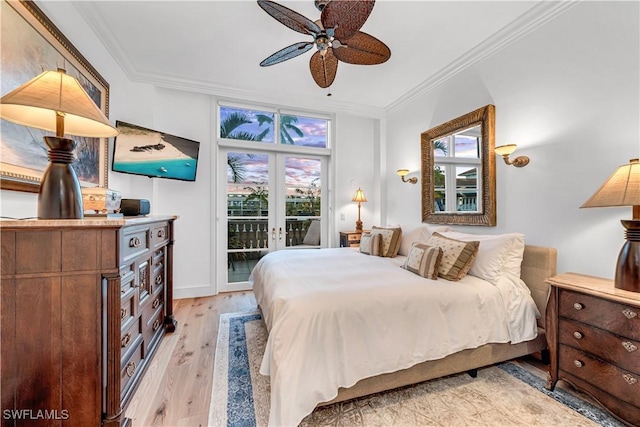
pixel 194 292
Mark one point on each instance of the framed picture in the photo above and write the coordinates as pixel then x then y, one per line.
pixel 31 44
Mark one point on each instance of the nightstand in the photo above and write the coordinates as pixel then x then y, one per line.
pixel 350 239
pixel 593 331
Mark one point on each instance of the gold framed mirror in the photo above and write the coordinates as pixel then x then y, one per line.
pixel 459 170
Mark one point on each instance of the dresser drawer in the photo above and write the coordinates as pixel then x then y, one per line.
pixel 619 383
pixel 127 307
pixel 134 241
pixel 159 234
pixel 129 338
pixel 618 318
pixel 131 367
pixel 621 351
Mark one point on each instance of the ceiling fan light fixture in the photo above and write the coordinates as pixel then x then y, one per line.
pixel 336 36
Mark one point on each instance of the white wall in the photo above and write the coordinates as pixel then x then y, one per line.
pixel 568 94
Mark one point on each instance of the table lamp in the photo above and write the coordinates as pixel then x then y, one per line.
pixel 359 198
pixel 55 101
pixel 623 189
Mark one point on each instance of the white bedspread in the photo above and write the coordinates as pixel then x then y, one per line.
pixel 336 316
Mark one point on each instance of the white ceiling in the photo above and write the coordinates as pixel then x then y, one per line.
pixel 216 46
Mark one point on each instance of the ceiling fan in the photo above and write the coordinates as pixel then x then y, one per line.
pixel 336 36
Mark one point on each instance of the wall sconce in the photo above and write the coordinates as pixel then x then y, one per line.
pixel 404 172
pixel 506 150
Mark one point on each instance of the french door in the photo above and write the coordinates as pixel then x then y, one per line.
pixel 274 201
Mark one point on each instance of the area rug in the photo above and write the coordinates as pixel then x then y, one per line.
pixel 502 395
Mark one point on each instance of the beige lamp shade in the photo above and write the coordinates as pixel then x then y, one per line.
pixel 505 150
pixel 621 189
pixel 359 196
pixel 39 102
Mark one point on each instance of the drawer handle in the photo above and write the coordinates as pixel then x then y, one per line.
pixel 123 313
pixel 156 325
pixel 158 280
pixel 578 363
pixel 578 306
pixel 130 369
pixel 156 303
pixel 629 314
pixel 135 242
pixel 578 335
pixel 126 340
pixel 629 379
pixel 160 234
pixel 629 346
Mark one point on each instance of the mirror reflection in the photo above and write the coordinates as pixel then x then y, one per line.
pixel 458 168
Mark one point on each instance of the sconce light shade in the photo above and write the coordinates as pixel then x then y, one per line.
pixel 55 101
pixel 403 173
pixel 359 198
pixel 623 189
pixel 506 150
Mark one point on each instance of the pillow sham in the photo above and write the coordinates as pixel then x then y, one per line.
pixel 457 256
pixel 313 234
pixel 423 260
pixel 418 235
pixel 390 240
pixel 498 253
pixel 370 244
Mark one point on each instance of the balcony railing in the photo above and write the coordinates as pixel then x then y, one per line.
pixel 252 234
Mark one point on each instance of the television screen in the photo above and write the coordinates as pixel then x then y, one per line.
pixel 142 151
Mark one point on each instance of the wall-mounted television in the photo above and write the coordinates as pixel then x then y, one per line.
pixel 141 151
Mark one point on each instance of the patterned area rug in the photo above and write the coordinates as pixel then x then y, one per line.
pixel 503 395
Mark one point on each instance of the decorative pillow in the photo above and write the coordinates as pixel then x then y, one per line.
pixel 390 240
pixel 313 234
pixel 424 260
pixel 457 256
pixel 498 253
pixel 370 244
pixel 419 235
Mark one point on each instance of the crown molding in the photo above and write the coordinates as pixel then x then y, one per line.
pixel 535 17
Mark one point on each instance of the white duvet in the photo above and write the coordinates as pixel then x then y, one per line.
pixel 336 316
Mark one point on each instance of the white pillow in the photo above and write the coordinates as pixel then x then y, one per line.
pixel 419 235
pixel 497 254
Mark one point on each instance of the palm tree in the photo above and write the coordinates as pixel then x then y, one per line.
pixel 259 193
pixel 287 124
pixel 228 129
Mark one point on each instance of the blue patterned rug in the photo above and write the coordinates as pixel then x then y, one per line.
pixel 240 396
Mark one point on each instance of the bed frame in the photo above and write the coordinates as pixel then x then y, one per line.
pixel 538 264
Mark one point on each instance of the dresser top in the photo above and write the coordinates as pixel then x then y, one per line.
pixel 596 286
pixel 86 222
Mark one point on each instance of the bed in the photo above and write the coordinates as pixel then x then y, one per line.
pixel 344 324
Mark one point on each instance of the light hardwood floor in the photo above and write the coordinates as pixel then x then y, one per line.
pixel 176 388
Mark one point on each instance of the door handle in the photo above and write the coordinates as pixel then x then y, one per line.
pixel 280 233
pixel 273 234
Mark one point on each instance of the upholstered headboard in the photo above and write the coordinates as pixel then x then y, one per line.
pixel 538 264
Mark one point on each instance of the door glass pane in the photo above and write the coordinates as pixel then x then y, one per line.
pixel 247 213
pixel 303 188
pixel 467 189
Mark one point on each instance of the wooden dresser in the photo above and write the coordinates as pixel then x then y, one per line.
pixel 84 305
pixel 593 331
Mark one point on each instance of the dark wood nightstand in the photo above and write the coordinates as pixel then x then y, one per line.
pixel 593 331
pixel 350 239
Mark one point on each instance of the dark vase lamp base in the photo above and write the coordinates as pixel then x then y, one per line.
pixel 60 196
pixel 628 267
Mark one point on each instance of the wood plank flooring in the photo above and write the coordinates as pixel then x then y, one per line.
pixel 176 388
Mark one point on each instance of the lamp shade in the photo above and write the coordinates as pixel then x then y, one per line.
pixel 505 150
pixel 359 196
pixel 40 101
pixel 621 189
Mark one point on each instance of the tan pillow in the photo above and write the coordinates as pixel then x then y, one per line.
pixel 457 256
pixel 370 244
pixel 390 243
pixel 424 260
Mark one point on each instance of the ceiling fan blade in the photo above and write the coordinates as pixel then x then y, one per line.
pixel 348 16
pixel 323 68
pixel 287 53
pixel 362 49
pixel 288 17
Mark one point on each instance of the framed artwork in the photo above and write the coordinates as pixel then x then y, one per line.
pixel 31 44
